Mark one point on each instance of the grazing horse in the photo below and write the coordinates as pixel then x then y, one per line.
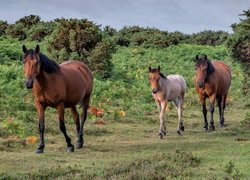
pixel 212 80
pixel 164 89
pixel 58 86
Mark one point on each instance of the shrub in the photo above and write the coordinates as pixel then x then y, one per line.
pixel 3 27
pixel 83 40
pixel 239 42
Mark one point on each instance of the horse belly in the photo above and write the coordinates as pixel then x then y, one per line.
pixel 224 85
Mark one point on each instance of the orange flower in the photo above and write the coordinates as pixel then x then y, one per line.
pixel 31 140
pixel 96 111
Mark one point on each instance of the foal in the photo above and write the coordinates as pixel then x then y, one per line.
pixel 164 89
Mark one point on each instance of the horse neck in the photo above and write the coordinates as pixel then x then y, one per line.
pixel 43 79
pixel 162 83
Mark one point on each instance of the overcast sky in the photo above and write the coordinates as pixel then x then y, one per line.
pixel 187 16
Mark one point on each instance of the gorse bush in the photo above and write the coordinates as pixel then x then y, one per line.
pixel 81 40
pixel 239 41
pixel 3 27
pixel 74 35
pixel 208 37
pixel 147 37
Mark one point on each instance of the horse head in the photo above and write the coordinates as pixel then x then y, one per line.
pixel 203 68
pixel 154 77
pixel 31 61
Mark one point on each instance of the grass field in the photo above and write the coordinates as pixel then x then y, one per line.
pixel 130 149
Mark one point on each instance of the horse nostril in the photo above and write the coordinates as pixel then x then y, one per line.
pixel 200 84
pixel 29 83
pixel 154 91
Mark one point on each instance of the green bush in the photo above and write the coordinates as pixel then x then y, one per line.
pixel 239 41
pixel 3 27
pixel 208 37
pixel 147 37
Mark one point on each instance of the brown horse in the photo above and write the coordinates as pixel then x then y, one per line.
pixel 212 80
pixel 58 86
pixel 165 89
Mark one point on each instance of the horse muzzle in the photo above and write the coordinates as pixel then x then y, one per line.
pixel 29 83
pixel 201 84
pixel 154 91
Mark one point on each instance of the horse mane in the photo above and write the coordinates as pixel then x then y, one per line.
pixel 153 70
pixel 48 65
pixel 162 75
pixel 210 67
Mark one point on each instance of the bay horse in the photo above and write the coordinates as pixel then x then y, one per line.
pixel 165 89
pixel 212 80
pixel 58 86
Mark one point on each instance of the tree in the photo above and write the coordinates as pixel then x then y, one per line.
pixel 3 27
pixel 83 40
pixel 239 41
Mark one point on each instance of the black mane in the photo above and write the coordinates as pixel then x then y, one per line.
pixel 153 70
pixel 48 65
pixel 162 75
pixel 210 67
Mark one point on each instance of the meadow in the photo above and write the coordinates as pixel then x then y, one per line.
pixel 126 145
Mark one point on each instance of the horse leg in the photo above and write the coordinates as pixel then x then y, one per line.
pixel 219 102
pixel 212 100
pixel 177 103
pixel 158 105
pixel 223 105
pixel 162 130
pixel 181 108
pixel 60 110
pixel 77 122
pixel 41 110
pixel 204 111
pixel 85 106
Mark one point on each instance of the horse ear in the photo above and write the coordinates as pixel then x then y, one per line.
pixel 37 49
pixel 24 49
pixel 159 68
pixel 205 57
pixel 196 58
pixel 149 69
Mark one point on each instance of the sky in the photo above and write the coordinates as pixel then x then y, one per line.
pixel 187 16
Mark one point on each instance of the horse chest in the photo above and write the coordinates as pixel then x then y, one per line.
pixel 48 99
pixel 159 96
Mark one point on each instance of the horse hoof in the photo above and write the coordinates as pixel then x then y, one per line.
pixel 160 135
pixel 222 125
pixel 179 132
pixel 205 129
pixel 39 151
pixel 79 145
pixel 182 128
pixel 211 128
pixel 70 149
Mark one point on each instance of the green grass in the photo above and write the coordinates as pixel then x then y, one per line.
pixel 132 149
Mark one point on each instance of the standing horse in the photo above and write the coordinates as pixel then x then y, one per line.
pixel 212 80
pixel 164 89
pixel 58 86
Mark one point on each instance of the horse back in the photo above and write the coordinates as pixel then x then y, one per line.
pixel 78 79
pixel 178 79
pixel 221 77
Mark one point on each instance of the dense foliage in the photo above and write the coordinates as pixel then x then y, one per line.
pixel 239 42
pixel 208 37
